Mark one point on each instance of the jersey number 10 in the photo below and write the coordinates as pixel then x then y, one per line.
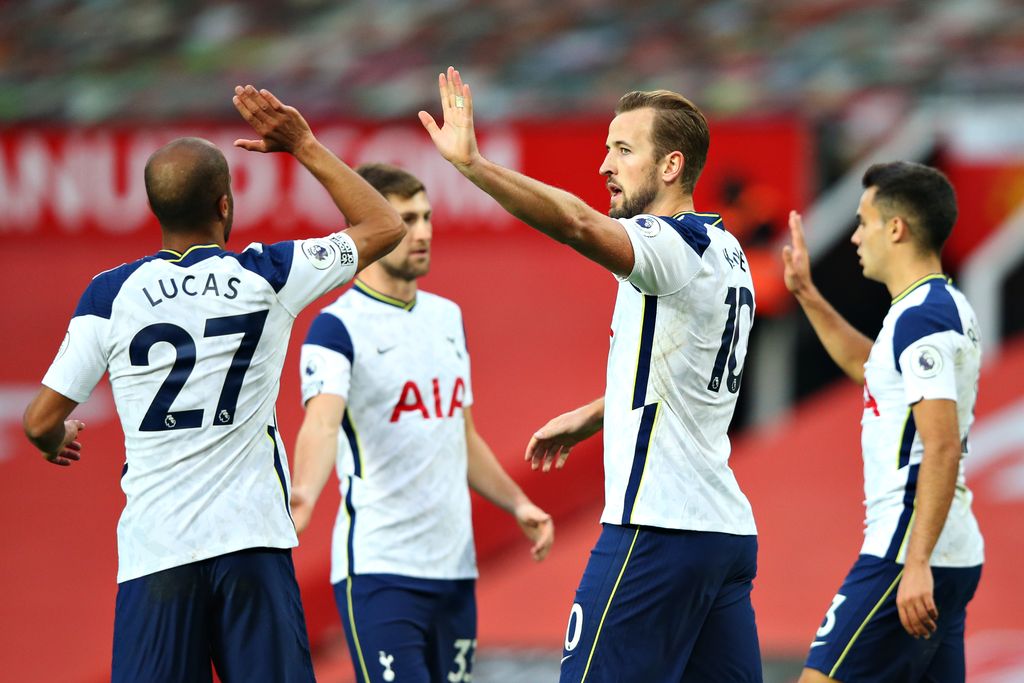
pixel 735 299
pixel 159 416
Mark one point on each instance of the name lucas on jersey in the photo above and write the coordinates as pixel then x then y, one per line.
pixel 190 285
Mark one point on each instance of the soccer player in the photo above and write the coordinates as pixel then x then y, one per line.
pixel 386 385
pixel 666 593
pixel 194 338
pixel 899 614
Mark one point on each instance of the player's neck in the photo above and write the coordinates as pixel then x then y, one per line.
pixel 377 279
pixel 183 241
pixel 906 273
pixel 670 203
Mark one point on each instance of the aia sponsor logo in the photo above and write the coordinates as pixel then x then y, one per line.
pixel 411 400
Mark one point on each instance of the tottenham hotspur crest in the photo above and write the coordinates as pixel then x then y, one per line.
pixel 386 661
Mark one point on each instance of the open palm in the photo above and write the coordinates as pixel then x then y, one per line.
pixel 455 139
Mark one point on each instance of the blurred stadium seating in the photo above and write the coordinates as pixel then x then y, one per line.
pixel 802 94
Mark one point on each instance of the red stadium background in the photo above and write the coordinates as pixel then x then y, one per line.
pixel 537 319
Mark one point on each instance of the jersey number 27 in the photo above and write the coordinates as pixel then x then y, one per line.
pixel 159 416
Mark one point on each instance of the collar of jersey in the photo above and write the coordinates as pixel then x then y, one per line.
pixel 717 217
pixel 927 278
pixel 193 254
pixel 364 288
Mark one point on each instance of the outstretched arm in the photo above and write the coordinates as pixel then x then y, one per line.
pixel 554 212
pixel 937 423
pixel 488 478
pixel 847 346
pixel 47 427
pixel 374 225
pixel 316 450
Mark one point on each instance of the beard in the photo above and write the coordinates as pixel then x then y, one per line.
pixel 638 202
pixel 405 270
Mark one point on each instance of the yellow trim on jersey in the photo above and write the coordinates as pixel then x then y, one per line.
pixel 918 283
pixel 864 623
pixel 355 634
pixel 697 213
pixel 383 298
pixel 597 635
pixel 189 251
pixel 647 453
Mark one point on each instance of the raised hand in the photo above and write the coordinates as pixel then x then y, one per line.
pixel 455 139
pixel 281 128
pixel 797 272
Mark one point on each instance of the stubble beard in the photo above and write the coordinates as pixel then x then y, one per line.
pixel 637 203
pixel 405 270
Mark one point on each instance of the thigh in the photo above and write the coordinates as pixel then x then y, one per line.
pixel 862 638
pixel 954 588
pixel 452 640
pixel 259 631
pixel 727 648
pixel 641 603
pixel 160 630
pixel 387 623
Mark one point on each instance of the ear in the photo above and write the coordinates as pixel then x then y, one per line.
pixel 898 229
pixel 672 167
pixel 224 206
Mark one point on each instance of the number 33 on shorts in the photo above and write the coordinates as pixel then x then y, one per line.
pixel 465 650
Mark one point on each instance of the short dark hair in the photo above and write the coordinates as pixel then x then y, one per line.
pixel 678 126
pixel 920 195
pixel 388 179
pixel 185 180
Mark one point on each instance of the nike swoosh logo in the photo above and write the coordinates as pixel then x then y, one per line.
pixel 818 642
pixel 563 659
pixel 384 349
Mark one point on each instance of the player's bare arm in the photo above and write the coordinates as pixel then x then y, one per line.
pixel 552 443
pixel 937 423
pixel 374 225
pixel 47 426
pixel 555 212
pixel 846 345
pixel 488 478
pixel 316 449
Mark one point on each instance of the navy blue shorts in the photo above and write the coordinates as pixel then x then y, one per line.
pixel 862 639
pixel 241 611
pixel 664 605
pixel 407 629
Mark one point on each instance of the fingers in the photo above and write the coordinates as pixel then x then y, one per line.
pixel 919 616
pixel 442 86
pixel 796 230
pixel 251 145
pixel 272 100
pixel 428 122
pixel 563 455
pixel 542 546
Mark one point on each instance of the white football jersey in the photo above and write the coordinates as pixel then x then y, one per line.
pixel 195 344
pixel 403 370
pixel 679 340
pixel 928 348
